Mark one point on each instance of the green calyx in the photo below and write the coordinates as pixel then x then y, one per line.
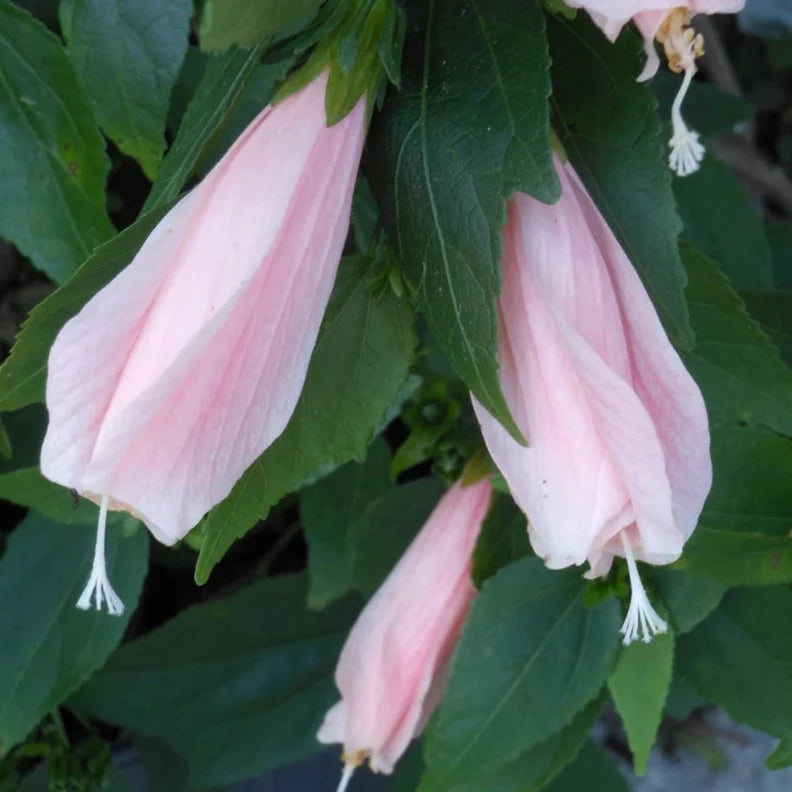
pixel 364 48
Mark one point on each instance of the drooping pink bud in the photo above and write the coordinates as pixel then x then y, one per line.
pixel 181 371
pixel 668 21
pixel 393 666
pixel 618 456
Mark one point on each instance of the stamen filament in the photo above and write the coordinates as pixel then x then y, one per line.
pixel 641 616
pixel 686 151
pixel 98 585
pixel 346 777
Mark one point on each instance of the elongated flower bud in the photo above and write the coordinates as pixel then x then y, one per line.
pixel 179 373
pixel 392 669
pixel 618 456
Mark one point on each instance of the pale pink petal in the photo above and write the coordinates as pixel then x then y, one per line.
pixel 204 342
pixel 566 453
pixel 670 395
pixel 617 430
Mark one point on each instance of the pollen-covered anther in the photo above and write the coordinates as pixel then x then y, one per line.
pixel 351 763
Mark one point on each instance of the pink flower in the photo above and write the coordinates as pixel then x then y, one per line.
pixel 618 457
pixel 392 669
pixel 668 21
pixel 179 373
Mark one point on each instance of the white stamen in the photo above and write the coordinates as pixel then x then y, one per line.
pixel 346 777
pixel 98 585
pixel 686 151
pixel 640 615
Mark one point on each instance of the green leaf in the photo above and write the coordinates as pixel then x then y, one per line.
pixel 360 361
pixel 610 128
pixel 387 527
pixel 781 756
pixel 639 685
pixel 743 535
pixel 721 221
pixel 49 646
pixel 774 310
pixel 408 770
pixel 779 235
pixel 51 154
pixel 740 658
pixel 23 374
pixel 533 769
pixel 235 686
pixel 224 79
pixel 734 362
pixel 250 22
pixel 329 512
pixel 26 429
pixel 27 487
pixel 530 646
pixel 689 599
pixel 127 57
pixel 593 770
pixel 468 128
pixel 6 449
pixel 502 541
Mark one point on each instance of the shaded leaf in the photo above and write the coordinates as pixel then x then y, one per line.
pixel 545 653
pixel 387 527
pixel 51 153
pixel 330 511
pixel 689 599
pixel 25 428
pixel 27 487
pixel 468 128
pixel 734 362
pixel 533 769
pixel 502 541
pixel 250 22
pixel 6 450
pixel 740 657
pixel 49 646
pixel 721 221
pixel 744 535
pixel 610 128
pixel 592 770
pixel 127 56
pixel 235 686
pixel 774 310
pixel 709 111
